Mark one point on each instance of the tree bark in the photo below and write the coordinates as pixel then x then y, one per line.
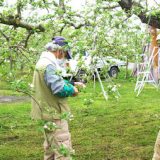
pixel 16 22
pixel 153 21
pixel 126 76
pixel 154 45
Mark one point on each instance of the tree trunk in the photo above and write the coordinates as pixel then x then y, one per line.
pixel 11 63
pixel 154 46
pixel 126 76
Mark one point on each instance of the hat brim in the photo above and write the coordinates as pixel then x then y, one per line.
pixel 68 55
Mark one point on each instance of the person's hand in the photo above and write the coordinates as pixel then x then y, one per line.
pixel 79 84
pixel 75 91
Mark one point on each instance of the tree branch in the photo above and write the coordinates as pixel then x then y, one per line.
pixel 153 20
pixel 62 5
pixel 2 61
pixel 110 7
pixel 4 35
pixel 61 30
pixel 16 22
pixel 157 3
pixel 27 39
pixel 45 6
pixel 19 5
pixel 127 5
pixel 55 3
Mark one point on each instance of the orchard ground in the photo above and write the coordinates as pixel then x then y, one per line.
pixel 123 129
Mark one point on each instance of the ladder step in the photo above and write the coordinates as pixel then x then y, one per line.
pixel 146 81
pixel 143 64
pixel 144 72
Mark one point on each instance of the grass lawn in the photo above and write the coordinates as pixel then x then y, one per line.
pixel 114 130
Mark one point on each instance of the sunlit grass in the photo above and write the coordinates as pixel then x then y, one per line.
pixel 117 130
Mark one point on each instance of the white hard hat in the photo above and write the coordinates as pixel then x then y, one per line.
pixel 158 38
